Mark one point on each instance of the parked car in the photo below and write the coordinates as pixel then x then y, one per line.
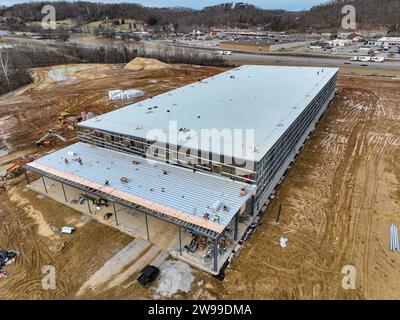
pixel 378 59
pixel 354 59
pixel 227 53
pixel 364 58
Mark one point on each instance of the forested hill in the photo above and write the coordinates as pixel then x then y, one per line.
pixel 371 14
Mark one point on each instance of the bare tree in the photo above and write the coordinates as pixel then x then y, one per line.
pixel 4 64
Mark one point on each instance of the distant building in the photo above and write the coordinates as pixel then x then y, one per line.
pixel 238 32
pixel 356 37
pixel 318 45
pixel 388 42
pixel 260 45
pixel 247 45
pixel 339 42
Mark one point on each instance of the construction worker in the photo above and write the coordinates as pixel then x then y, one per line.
pixel 106 183
pixel 80 161
pixel 216 218
pixel 202 243
pixel 206 216
pixel 66 161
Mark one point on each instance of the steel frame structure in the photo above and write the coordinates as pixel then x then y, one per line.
pixel 179 223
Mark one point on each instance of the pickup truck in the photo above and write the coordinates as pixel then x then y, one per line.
pixel 378 59
pixel 364 58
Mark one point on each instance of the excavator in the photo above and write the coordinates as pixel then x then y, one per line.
pixel 14 170
pixel 45 141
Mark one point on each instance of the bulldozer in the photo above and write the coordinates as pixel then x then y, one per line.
pixel 45 141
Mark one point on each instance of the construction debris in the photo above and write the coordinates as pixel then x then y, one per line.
pixel 283 241
pixel 67 230
pixel 175 276
pixel 66 118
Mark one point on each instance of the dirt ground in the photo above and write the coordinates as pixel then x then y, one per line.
pixel 338 202
pixel 28 113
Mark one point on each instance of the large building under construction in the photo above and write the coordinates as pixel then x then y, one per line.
pixel 203 158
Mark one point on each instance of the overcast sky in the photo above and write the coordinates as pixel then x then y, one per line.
pixel 198 4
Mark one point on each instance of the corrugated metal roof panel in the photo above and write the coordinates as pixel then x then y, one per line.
pixel 180 192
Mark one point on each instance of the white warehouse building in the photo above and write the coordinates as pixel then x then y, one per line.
pixel 211 190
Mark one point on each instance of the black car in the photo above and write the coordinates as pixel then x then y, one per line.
pixel 6 256
pixel 148 274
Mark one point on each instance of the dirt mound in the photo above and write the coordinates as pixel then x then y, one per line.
pixel 139 64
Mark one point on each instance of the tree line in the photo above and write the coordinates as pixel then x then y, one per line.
pixel 370 14
pixel 16 62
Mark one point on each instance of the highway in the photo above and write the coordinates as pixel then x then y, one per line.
pixel 242 57
pixel 333 62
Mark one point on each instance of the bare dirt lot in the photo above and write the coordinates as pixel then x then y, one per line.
pixel 338 200
pixel 28 113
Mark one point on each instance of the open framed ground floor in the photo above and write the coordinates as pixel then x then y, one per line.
pixel 203 251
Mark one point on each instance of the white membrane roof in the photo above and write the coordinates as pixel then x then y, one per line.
pixel 266 99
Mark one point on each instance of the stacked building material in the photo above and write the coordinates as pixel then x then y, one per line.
pixel 394 238
pixel 115 94
pixel 132 93
pixel 124 94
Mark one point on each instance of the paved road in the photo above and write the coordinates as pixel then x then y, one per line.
pixel 245 57
pixel 262 58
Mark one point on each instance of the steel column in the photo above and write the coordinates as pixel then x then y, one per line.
pixel 115 213
pixel 27 177
pixel 44 184
pixel 279 213
pixel 216 254
pixel 202 231
pixel 147 227
pixel 87 200
pixel 180 240
pixel 65 195
pixel 236 231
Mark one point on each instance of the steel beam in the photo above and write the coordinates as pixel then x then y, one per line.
pixel 155 214
pixel 44 184
pixel 147 227
pixel 65 194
